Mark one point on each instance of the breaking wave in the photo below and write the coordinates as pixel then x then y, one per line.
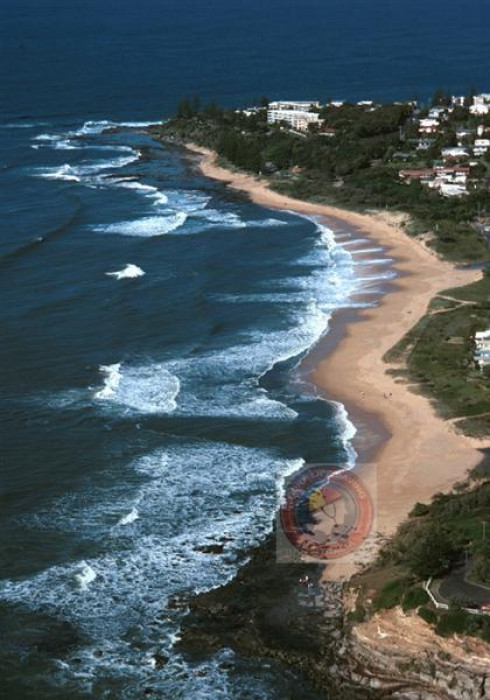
pixel 150 389
pixel 128 272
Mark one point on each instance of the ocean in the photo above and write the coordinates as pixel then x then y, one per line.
pixel 153 321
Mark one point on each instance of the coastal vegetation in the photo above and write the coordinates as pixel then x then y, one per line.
pixel 353 160
pixel 438 536
pixel 437 355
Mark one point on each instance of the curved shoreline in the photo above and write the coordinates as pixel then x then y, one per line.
pixel 421 453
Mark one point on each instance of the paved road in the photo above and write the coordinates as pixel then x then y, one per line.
pixel 454 586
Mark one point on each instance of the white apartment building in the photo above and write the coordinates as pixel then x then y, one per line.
pixel 297 114
pixel 481 104
pixel 300 105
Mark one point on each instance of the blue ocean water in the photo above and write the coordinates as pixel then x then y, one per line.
pixel 151 319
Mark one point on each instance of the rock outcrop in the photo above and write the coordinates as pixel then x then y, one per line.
pixel 268 611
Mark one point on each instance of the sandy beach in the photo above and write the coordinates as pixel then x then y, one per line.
pixel 422 453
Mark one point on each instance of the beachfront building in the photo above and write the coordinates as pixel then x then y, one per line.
pixel 298 115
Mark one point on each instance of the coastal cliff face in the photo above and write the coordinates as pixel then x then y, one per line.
pixel 265 612
pixel 401 656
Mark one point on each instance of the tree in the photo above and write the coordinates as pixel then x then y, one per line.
pixel 441 97
pixel 188 107
pixel 433 551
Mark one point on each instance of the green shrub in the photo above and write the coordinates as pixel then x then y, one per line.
pixel 419 510
pixel 428 615
pixel 452 622
pixel 414 598
pixel 357 615
pixel 391 594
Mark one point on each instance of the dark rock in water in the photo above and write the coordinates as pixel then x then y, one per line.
pixel 178 602
pixel 211 549
pixel 262 613
pixel 161 660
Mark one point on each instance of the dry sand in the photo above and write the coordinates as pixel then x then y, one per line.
pixel 422 454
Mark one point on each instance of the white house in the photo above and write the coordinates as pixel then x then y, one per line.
pixel 457 101
pixel 437 112
pixel 450 189
pixel 454 153
pixel 480 109
pixel 481 146
pixel 463 132
pixel 428 126
pixel 425 144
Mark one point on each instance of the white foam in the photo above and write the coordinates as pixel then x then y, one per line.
pixel 147 389
pixel 85 171
pixel 112 379
pixel 374 249
pixel 373 261
pixel 188 496
pixel 221 218
pixel 129 517
pixel 91 128
pixel 84 576
pixel 128 272
pixel 191 496
pixel 159 198
pixel 64 172
pixel 25 125
pixel 266 223
pixel 137 125
pixel 47 137
pixel 147 227
pixel 391 274
pixel 348 432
